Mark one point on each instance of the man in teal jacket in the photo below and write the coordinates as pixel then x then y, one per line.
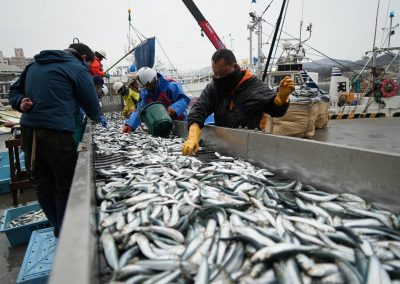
pixel 49 93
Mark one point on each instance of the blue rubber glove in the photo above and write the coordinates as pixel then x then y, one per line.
pixel 103 121
pixel 108 75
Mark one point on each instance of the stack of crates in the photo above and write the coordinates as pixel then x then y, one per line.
pixel 38 259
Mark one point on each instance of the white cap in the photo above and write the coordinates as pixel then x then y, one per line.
pixel 117 85
pixel 145 75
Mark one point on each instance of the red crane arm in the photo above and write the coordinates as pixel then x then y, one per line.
pixel 204 24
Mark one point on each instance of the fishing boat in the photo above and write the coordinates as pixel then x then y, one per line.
pixel 363 99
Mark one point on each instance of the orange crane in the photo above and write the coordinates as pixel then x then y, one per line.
pixel 204 24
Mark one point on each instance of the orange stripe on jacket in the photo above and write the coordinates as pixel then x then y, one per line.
pixel 247 75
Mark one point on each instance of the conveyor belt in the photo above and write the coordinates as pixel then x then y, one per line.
pixel 105 161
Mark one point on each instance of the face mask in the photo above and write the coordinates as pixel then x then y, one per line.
pixel 228 82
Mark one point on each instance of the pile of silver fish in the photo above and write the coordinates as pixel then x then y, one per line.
pixel 165 218
pixel 27 218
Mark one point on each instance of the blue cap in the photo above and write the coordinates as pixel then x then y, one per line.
pixel 391 14
pixel 132 68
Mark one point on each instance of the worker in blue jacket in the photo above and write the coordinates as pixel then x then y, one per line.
pixel 155 88
pixel 49 93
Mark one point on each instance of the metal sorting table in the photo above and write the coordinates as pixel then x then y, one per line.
pixel 371 174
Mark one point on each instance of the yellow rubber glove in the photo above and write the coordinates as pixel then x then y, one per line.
pixel 286 87
pixel 191 145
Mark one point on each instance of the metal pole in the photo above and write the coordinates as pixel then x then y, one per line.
pixel 259 62
pixel 390 29
pixel 277 26
pixel 251 45
pixel 373 45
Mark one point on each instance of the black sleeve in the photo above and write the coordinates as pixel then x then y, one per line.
pixel 17 90
pixel 260 98
pixel 204 106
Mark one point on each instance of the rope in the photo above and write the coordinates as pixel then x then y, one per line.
pixel 394 58
pixel 386 18
pixel 337 62
pixel 137 33
pixel 179 76
pixel 269 5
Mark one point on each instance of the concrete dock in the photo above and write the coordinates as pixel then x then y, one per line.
pixel 379 134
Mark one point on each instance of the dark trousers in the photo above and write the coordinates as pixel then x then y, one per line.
pixel 52 171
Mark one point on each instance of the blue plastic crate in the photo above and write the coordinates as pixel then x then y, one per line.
pixel 5 170
pixel 20 235
pixel 4 173
pixel 38 258
pixel 4 185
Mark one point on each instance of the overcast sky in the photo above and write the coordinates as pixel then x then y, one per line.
pixel 342 29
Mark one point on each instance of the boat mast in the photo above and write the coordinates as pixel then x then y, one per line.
pixel 255 21
pixel 373 45
pixel 391 25
pixel 251 29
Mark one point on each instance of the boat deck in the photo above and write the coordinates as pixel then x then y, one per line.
pixel 378 134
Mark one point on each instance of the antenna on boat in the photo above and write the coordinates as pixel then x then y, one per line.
pixel 391 32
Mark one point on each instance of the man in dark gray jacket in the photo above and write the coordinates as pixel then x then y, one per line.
pixel 237 99
pixel 49 93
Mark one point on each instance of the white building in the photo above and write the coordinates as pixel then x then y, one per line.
pixel 6 69
pixel 19 59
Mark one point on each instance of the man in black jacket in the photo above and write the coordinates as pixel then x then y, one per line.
pixel 237 99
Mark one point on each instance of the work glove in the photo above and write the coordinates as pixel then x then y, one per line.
pixel 191 145
pixel 103 121
pixel 108 75
pixel 286 87
pixel 171 112
pixel 126 129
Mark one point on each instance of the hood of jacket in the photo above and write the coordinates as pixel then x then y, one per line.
pixel 51 56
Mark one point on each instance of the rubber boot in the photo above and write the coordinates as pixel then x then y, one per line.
pixel 61 201
pixel 48 204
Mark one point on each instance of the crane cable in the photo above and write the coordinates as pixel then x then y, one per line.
pixel 170 62
pixel 383 34
pixel 269 5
